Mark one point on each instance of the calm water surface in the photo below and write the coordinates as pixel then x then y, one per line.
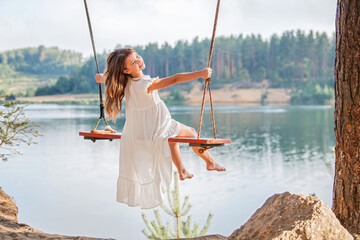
pixel 67 185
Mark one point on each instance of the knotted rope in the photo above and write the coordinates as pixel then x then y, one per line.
pixel 102 115
pixel 207 81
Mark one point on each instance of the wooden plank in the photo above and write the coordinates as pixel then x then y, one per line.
pixel 101 135
pixel 200 140
pixel 178 139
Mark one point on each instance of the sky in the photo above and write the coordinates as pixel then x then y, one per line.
pixel 62 23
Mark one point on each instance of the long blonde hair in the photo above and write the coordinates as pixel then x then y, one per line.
pixel 115 81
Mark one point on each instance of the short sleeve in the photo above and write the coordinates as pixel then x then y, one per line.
pixel 140 99
pixel 145 83
pixel 149 84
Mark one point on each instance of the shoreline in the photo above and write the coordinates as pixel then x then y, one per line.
pixel 223 96
pixel 243 96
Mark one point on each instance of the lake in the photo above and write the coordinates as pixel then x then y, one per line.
pixel 67 185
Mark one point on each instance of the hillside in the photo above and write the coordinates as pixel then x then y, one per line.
pixel 24 84
pixel 22 71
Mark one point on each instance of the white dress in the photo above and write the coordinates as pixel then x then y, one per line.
pixel 145 168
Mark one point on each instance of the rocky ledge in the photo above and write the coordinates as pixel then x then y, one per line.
pixel 284 216
pixel 11 229
pixel 291 216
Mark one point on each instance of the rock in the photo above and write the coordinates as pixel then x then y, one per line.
pixel 11 229
pixel 35 236
pixel 208 237
pixel 7 225
pixel 291 216
pixel 8 208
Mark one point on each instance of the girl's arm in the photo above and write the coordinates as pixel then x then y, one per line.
pixel 179 78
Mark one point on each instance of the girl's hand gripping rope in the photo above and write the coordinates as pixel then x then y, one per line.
pixel 206 73
pixel 99 78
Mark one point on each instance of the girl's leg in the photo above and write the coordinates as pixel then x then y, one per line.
pixel 176 158
pixel 211 165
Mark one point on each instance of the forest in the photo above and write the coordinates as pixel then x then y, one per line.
pixel 23 70
pixel 303 62
pixel 40 60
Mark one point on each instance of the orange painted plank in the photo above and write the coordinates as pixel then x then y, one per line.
pixel 178 139
pixel 101 135
pixel 200 140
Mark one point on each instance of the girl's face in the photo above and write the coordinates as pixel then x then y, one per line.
pixel 134 64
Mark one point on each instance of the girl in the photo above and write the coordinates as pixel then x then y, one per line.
pixel 145 167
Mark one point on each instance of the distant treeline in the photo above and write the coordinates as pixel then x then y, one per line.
pixel 284 61
pixel 39 60
pixel 301 61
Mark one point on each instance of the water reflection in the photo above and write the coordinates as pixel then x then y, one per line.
pixel 297 133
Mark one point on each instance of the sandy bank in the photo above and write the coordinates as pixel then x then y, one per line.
pixel 223 96
pixel 233 96
pixel 62 98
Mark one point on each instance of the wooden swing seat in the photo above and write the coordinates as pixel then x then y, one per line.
pixel 203 143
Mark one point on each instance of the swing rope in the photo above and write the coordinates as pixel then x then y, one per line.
pixel 202 144
pixel 207 81
pixel 102 115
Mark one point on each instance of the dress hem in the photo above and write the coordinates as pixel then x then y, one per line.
pixel 142 186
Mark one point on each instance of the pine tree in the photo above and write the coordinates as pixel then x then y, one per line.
pixel 183 228
pixel 15 128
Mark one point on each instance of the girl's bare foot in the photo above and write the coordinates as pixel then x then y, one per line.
pixel 215 167
pixel 184 175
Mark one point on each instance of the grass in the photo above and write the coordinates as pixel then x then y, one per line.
pixel 24 84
